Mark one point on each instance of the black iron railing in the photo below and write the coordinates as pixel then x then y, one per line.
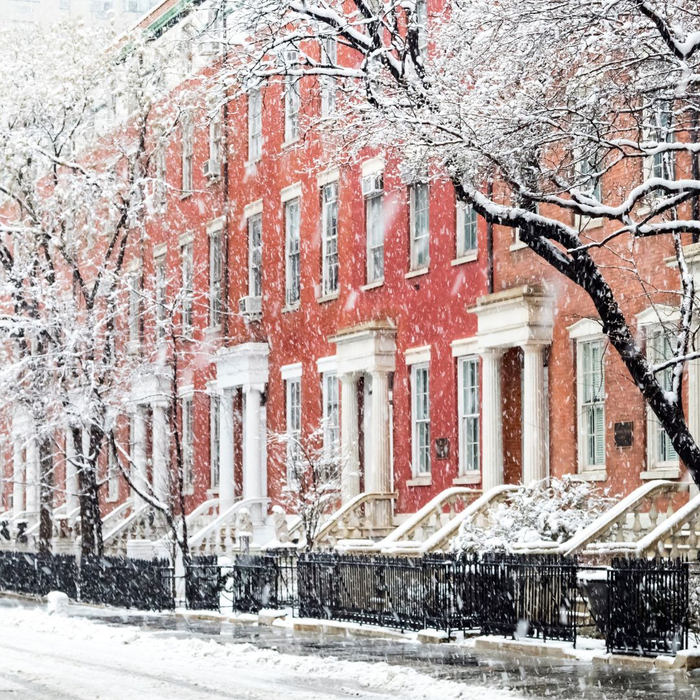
pixel 31 573
pixel 204 583
pixel 647 607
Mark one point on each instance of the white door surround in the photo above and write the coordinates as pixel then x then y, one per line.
pixel 368 349
pixel 243 366
pixel 519 317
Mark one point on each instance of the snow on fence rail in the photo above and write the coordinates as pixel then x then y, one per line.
pixel 129 583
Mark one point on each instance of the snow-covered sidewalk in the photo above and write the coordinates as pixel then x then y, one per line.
pixel 62 658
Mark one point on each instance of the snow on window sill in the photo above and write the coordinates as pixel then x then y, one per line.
pixel 417 273
pixel 591 475
pixel 291 307
pixel 518 245
pixel 585 223
pixel 425 480
pixel 289 144
pixel 471 477
pixel 252 162
pixel 212 330
pixel 112 499
pixel 185 195
pixel 667 470
pixel 328 297
pixel 372 285
pixel 466 258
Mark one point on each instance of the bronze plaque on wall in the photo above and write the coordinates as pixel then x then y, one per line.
pixel 624 434
pixel 442 448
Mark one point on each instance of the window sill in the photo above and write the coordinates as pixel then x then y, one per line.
pixel 252 163
pixel 112 499
pixel 667 471
pixel 291 307
pixel 328 297
pixel 133 347
pixel 289 144
pixel 185 195
pixel 518 245
pixel 466 258
pixel 592 475
pixel 417 273
pixel 585 223
pixel 212 330
pixel 467 479
pixel 372 285
pixel 420 481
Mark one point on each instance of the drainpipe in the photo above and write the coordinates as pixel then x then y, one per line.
pixel 489 244
pixel 696 176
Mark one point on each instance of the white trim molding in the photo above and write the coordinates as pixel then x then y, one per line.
pixel 290 192
pixel 465 346
pixel 328 176
pixel 419 355
pixel 252 209
pixel 216 225
pixel 373 166
pixel 327 364
pixel 585 328
pixel 292 371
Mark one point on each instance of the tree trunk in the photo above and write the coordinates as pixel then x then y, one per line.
pixel 90 517
pixel 45 495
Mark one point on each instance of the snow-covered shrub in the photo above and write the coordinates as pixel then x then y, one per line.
pixel 545 511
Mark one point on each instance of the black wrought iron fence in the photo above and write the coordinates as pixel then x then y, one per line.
pixel 128 583
pixel 32 573
pixel 204 583
pixel 647 607
pixel 257 581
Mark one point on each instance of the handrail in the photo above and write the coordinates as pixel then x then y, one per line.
pixel 126 523
pixel 204 506
pixel 605 521
pixel 223 519
pixel 449 529
pixel 338 515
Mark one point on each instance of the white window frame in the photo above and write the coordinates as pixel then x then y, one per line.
pixel 329 226
pixel 255 125
pixel 469 415
pixel 467 222
pixel 216 273
pixel 661 165
pixel 293 415
pixel 419 195
pixel 112 475
pixel 292 99
pixel 292 254
pixel 331 413
pixel 587 462
pixel 187 134
pixel 216 140
pixel 161 286
pixel 329 56
pixel 373 193
pixel 421 19
pixel 214 439
pixel 420 451
pixel 187 287
pixel 188 440
pixel 135 308
pixel 161 184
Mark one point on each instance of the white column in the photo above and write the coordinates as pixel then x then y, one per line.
pixel 160 452
pixel 252 462
pixel 138 458
pixel 492 415
pixel 349 438
pixel 32 480
pixel 378 477
pixel 533 418
pixel 18 468
pixel 71 474
pixel 227 492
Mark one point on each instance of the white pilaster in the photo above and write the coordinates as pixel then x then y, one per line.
pixel 72 487
pixel 227 493
pixel 378 478
pixel 160 452
pixel 533 418
pixel 18 467
pixel 252 462
pixel 349 438
pixel 138 458
pixel 492 413
pixel 32 477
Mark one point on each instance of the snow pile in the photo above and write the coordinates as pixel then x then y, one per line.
pixel 539 513
pixel 77 651
pixel 56 602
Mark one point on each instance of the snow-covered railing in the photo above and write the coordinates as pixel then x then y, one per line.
pixel 627 521
pixel 675 535
pixel 202 515
pixel 477 511
pixel 139 524
pixel 220 535
pixel 354 520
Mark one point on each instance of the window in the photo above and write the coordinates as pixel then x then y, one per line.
pixel 292 241
pixel 467 230
pixel 329 57
pixel 292 99
pixel 421 420
pixel 135 309
pixel 161 186
pixel 215 438
pixel 468 369
pixel 215 275
pixel 373 191
pixel 660 450
pixel 422 27
pixel 187 156
pixel 662 164
pixel 255 255
pixel 160 297
pixel 293 392
pixel 331 424
pixel 517 242
pixel 329 223
pixel 587 167
pixel 187 418
pixel 591 399
pixel 215 145
pixel 420 225
pixel 254 125
pixel 112 475
pixel 187 289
